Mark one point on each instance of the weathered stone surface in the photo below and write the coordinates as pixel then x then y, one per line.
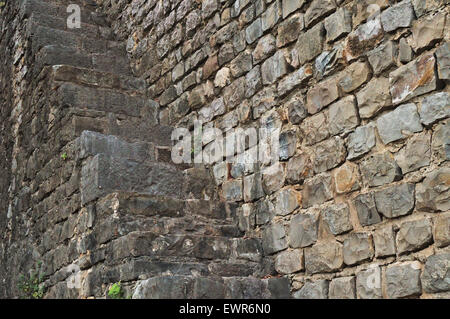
pixel 290 6
pixel 353 76
pixel 289 261
pixel 382 57
pixel 274 238
pixel 343 288
pixel 374 97
pixel 403 280
pixel 395 201
pixel 366 209
pixel 303 229
pixel 361 141
pixel 329 154
pixel 414 235
pixel 265 47
pixel 313 290
pixel 433 193
pixel 441 232
pixel 273 178
pixel 309 44
pixel 232 190
pixel 435 107
pixel 384 242
pixel 287 201
pixel 298 168
pixel 440 143
pixel 400 15
pixel 427 30
pixel 400 123
pixel 343 116
pixel 315 128
pixel 443 61
pixel 337 217
pixel 416 153
pixel 321 95
pixel 379 169
pixel 436 274
pixel 317 190
pixel 364 38
pixel 274 68
pixel 289 30
pixel 357 248
pixel 346 178
pixel 368 283
pixel 317 9
pixel 413 79
pixel 323 257
pixel 338 24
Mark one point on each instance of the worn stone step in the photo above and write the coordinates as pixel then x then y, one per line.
pixel 109 62
pixel 59 9
pixel 191 287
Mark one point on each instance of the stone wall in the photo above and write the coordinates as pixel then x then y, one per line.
pixel 356 205
pixel 359 90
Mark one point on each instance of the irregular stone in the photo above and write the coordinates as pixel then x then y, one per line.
pixel 290 6
pixel 265 47
pixel 288 200
pixel 298 168
pixel 313 290
pixel 414 235
pixel 343 116
pixel 433 193
pixel 357 248
pixel 374 97
pixel 364 38
pixel 361 141
pixel 254 31
pixel 395 201
pixel 303 229
pixel 343 288
pixel 366 209
pixel 346 178
pixel 287 144
pixel 289 261
pixel 435 107
pixel 315 128
pixel 399 15
pixel 413 79
pixel 337 217
pixel 382 57
pixel 271 16
pixel 403 280
pixel 384 242
pixel 321 95
pixel 399 123
pixel 274 239
pixel 317 190
pixel 253 81
pixel 427 31
pixel 368 283
pixel 317 9
pixel 274 68
pixel 436 274
pixel 443 61
pixel 441 141
pixel 329 154
pixel 289 30
pixel 442 230
pixel 323 257
pixel 379 169
pixel 253 187
pixel 294 79
pixel 353 77
pixel 309 44
pixel 232 190
pixel 338 24
pixel 416 153
pixel 273 178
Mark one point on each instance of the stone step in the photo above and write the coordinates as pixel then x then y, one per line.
pixel 58 8
pixel 109 62
pixel 191 287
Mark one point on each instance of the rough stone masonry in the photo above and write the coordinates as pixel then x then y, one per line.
pixel 358 205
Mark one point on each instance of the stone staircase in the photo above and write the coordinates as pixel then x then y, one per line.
pixel 159 228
